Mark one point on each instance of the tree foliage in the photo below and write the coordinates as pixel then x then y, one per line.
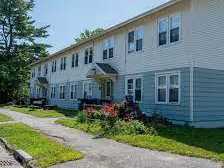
pixel 88 34
pixel 18 46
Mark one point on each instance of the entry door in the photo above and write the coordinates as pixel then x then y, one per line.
pixel 107 90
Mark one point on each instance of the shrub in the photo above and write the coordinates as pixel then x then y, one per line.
pixel 81 117
pixel 134 127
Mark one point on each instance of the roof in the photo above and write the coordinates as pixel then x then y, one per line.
pixel 113 28
pixel 106 68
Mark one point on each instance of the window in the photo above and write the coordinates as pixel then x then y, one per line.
pixel 87 90
pixel 63 63
pixel 54 66
pixel 135 40
pixel 138 89
pixel 134 88
pixel 174 89
pixel 73 92
pixel 39 71
pixel 105 54
pixel 53 92
pixel 163 29
pixel 172 25
pixel 73 60
pixel 174 29
pixel 162 86
pixel 139 39
pixel 88 59
pixel 86 56
pixel 108 51
pixel 76 60
pixel 62 92
pixel 168 88
pixel 131 41
pixel 91 55
pixel 45 69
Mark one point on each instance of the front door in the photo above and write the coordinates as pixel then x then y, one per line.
pixel 107 90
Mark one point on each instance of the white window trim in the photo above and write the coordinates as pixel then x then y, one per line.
pixel 75 85
pixel 168 74
pixel 134 83
pixel 63 86
pixel 107 47
pixel 168 29
pixel 135 39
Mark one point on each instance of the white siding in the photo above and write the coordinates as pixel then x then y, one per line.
pixel 208 34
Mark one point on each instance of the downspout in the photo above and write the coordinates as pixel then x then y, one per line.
pixel 192 93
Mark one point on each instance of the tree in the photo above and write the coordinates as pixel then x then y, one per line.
pixel 18 46
pixel 89 34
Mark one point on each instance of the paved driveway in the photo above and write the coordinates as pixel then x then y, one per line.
pixel 105 153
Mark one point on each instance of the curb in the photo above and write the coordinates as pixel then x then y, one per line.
pixel 22 157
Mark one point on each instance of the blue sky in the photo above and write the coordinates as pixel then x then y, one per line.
pixel 68 18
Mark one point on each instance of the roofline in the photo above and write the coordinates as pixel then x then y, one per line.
pixel 113 28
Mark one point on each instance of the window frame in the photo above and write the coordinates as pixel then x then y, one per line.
pixel 60 93
pixel 73 93
pixel 76 60
pixel 134 78
pixel 108 44
pixel 167 75
pixel 139 29
pixel 168 19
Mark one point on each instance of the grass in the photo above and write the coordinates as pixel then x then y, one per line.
pixel 203 143
pixel 56 112
pixel 46 151
pixel 5 118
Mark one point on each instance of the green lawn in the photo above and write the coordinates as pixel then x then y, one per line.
pixel 46 151
pixel 204 143
pixel 57 112
pixel 4 118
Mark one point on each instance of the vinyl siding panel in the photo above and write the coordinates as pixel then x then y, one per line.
pixel 208 95
pixel 179 112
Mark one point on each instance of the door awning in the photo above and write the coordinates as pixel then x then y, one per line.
pixel 42 80
pixel 102 70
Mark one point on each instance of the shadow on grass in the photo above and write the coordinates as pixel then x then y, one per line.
pixel 208 139
pixel 67 113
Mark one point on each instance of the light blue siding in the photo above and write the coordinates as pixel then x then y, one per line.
pixel 208 96
pixel 179 112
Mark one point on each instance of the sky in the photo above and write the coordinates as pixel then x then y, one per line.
pixel 68 18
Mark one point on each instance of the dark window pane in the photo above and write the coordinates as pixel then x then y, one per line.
pixel 162 38
pixel 139 45
pixel 161 95
pixel 64 63
pixel 131 37
pixel 174 35
pixel 90 58
pixel 73 61
pixel 111 53
pixel 174 95
pixel 138 95
pixel 77 60
pixel 86 59
pixel 104 54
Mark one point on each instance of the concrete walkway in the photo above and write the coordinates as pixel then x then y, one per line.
pixel 105 153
